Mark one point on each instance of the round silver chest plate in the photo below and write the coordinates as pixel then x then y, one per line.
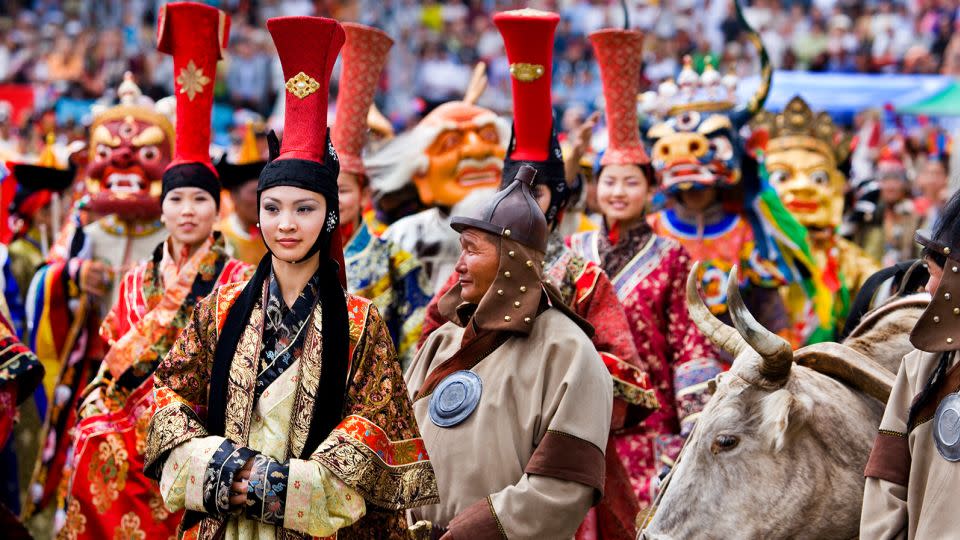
pixel 455 398
pixel 946 427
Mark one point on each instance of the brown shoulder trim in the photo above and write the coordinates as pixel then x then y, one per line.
pixel 477 522
pixel 568 457
pixel 890 458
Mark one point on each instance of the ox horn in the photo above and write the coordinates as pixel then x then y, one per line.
pixel 724 337
pixel 745 112
pixel 775 351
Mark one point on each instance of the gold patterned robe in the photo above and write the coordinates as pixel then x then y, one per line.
pixel 371 465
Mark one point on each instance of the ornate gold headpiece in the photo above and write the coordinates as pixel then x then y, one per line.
pixel 798 126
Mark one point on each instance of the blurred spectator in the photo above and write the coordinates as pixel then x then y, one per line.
pixel 248 76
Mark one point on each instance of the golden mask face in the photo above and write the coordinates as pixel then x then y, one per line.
pixel 809 185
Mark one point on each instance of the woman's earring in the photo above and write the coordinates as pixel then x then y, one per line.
pixel 258 225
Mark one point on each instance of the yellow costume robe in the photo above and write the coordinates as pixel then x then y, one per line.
pixel 240 243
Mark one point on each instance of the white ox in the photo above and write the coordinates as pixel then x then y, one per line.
pixel 780 449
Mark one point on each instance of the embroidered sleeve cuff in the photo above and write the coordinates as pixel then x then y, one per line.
pixel 390 474
pixel 267 490
pixel 181 483
pixel 173 424
pixel 227 460
pixel 477 522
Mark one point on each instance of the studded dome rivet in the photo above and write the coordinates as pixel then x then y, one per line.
pixel 506 318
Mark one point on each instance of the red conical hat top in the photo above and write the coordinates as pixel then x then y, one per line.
pixel 528 38
pixel 195 35
pixel 619 54
pixel 364 56
pixel 308 49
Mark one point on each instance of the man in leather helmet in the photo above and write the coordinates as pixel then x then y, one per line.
pixel 913 478
pixel 511 396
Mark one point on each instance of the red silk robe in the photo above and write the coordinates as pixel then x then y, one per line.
pixel 108 491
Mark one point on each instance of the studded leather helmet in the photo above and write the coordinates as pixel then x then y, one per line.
pixel 513 213
pixel 938 329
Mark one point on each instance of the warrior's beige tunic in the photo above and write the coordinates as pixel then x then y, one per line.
pixel 911 491
pixel 525 460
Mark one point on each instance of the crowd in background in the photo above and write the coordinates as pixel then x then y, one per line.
pixel 74 50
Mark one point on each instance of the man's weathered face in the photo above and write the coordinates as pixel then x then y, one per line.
pixel 810 186
pixel 466 155
pixel 478 264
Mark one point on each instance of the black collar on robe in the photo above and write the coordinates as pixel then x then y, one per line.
pixel 331 393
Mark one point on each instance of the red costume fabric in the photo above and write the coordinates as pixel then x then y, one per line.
pixel 108 490
pixel 649 274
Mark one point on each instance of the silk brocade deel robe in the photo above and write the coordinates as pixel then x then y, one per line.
pixel 372 465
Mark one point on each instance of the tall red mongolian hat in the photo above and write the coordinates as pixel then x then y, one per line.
pixel 619 53
pixel 364 56
pixel 308 49
pixel 195 35
pixel 528 39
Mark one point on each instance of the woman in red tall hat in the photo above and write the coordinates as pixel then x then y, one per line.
pixel 281 409
pixel 648 272
pixel 108 491
pixel 377 269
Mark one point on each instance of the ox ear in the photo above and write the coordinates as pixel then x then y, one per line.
pixel 781 413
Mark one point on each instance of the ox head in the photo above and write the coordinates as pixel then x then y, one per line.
pixel 777 452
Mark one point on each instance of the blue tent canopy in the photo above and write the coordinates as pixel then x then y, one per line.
pixel 843 95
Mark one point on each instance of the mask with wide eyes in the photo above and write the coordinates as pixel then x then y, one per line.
pixel 820 178
pixel 722 148
pixel 779 176
pixel 688 121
